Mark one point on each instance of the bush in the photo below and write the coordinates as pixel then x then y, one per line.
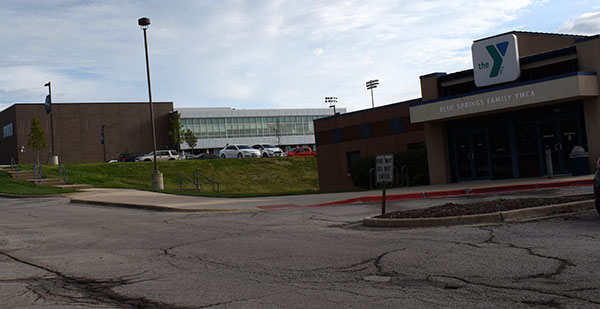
pixel 414 159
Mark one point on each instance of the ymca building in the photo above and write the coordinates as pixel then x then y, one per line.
pixel 527 93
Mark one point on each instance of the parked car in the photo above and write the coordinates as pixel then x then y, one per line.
pixel 268 150
pixel 161 155
pixel 597 186
pixel 129 157
pixel 238 151
pixel 301 152
pixel 203 156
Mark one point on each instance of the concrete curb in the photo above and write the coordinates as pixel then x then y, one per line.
pixel 155 207
pixel 460 192
pixel 6 195
pixel 496 217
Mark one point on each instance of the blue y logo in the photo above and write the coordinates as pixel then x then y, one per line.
pixel 493 51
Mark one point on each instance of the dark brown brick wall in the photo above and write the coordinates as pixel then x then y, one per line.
pixel 332 159
pixel 8 146
pixel 77 128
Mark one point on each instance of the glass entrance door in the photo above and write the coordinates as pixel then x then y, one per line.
pixel 472 155
pixel 559 136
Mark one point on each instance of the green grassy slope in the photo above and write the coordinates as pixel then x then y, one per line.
pixel 247 177
pixel 22 187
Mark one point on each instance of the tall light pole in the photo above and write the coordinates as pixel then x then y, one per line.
pixel 370 85
pixel 102 139
pixel 48 104
pixel 331 101
pixel 157 177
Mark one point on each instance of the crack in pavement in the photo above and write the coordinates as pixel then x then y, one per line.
pixel 84 291
pixel 563 263
pixel 520 288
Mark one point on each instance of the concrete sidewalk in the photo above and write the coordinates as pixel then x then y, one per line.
pixel 166 202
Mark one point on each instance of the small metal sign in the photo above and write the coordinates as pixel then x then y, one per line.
pixel 384 167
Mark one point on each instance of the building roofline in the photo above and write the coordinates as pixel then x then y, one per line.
pixel 534 33
pixel 524 60
pixel 409 102
pixel 74 103
pixel 588 38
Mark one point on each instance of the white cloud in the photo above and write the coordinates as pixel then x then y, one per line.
pixel 588 23
pixel 243 54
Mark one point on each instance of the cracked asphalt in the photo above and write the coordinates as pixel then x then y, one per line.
pixel 56 254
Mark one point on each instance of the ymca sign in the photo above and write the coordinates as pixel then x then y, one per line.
pixel 496 60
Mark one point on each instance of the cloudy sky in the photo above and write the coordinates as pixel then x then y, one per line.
pixel 255 54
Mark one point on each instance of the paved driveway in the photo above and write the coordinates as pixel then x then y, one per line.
pixel 54 253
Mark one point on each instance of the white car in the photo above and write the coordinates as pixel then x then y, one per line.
pixel 161 155
pixel 238 151
pixel 268 150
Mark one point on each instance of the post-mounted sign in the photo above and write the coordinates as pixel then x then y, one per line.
pixel 496 60
pixel 384 167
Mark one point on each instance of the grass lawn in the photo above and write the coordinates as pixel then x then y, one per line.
pixel 22 187
pixel 237 178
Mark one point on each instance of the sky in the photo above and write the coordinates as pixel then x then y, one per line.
pixel 255 54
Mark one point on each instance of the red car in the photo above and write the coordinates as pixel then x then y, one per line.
pixel 301 152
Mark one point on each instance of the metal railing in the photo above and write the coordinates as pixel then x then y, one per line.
pixel 181 179
pixel 63 172
pixel 197 176
pixel 398 179
pixel 38 171
pixel 403 171
pixel 14 166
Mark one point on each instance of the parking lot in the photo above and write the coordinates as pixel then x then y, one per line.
pixel 55 253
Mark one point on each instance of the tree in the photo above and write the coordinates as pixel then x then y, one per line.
pixel 176 131
pixel 37 138
pixel 190 139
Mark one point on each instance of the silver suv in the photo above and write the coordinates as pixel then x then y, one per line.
pixel 268 150
pixel 161 155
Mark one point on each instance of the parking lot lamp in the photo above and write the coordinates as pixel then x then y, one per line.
pixel 48 105
pixel 157 178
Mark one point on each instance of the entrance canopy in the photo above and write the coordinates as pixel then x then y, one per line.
pixel 560 88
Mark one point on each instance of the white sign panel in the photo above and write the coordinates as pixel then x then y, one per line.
pixel 384 168
pixel 496 60
pixel 7 130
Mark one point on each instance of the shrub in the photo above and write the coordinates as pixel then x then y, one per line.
pixel 414 159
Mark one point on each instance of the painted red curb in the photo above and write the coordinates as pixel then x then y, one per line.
pixel 403 197
pixel 433 194
pixel 343 202
pixel 458 192
pixel 278 207
pixel 525 187
pixel 572 183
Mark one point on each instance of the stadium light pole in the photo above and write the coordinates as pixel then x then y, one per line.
pixel 157 177
pixel 370 85
pixel 331 101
